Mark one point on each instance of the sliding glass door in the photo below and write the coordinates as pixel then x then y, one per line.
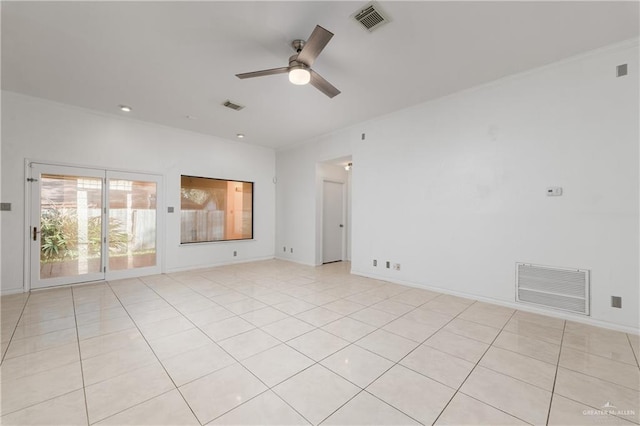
pixel 132 227
pixel 66 231
pixel 90 225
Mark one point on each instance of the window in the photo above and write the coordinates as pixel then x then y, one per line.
pixel 215 210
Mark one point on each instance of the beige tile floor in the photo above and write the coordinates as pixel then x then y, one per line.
pixel 278 343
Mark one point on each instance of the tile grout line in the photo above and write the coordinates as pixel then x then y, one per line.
pixel 523 354
pixel 15 327
pixel 568 368
pixel 317 327
pixel 361 389
pixel 633 350
pixel 422 343
pixel 39 336
pixel 588 375
pixel 154 353
pixel 473 369
pixel 84 389
pixel 268 388
pixel 381 327
pixel 47 399
pixel 602 379
pixel 607 359
pixel 619 416
pixel 23 377
pixel 319 281
pixel 38 403
pixel 119 301
pixel 555 377
pixel 395 363
pixel 314 361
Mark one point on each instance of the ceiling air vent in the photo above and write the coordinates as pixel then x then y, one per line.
pixel 371 17
pixel 231 105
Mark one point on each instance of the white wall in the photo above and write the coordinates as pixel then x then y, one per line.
pixel 49 132
pixel 454 189
pixel 297 194
pixel 1 198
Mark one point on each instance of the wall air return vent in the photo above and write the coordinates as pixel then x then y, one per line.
pixel 371 17
pixel 557 288
pixel 232 105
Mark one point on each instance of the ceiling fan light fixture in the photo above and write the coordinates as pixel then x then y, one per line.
pixel 299 76
pixel 300 63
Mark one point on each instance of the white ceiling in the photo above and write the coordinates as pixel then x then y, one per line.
pixel 172 59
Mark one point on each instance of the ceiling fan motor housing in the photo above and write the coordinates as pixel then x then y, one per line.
pixel 293 63
pixel 298 45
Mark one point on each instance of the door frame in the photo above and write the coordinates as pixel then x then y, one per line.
pixel 160 222
pixel 344 220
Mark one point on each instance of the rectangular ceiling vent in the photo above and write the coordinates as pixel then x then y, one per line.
pixel 231 105
pixel 558 288
pixel 371 17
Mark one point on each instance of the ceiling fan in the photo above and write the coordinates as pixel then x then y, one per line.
pixel 299 68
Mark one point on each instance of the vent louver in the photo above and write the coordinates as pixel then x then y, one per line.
pixel 558 288
pixel 232 105
pixel 371 17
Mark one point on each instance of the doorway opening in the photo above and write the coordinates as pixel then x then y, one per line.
pixel 333 227
pixel 333 221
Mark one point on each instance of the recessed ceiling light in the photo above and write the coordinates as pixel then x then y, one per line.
pixel 240 135
pixel 125 108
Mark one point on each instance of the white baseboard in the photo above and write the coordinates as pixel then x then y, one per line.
pixel 506 303
pixel 295 261
pixel 9 291
pixel 216 264
pixel 169 271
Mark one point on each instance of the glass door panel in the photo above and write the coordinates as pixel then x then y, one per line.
pixel 66 234
pixel 131 235
pixel 90 225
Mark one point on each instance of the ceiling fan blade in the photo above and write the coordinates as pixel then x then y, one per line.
pixel 262 73
pixel 323 85
pixel 314 45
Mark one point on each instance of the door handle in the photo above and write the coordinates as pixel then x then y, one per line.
pixel 341 226
pixel 35 233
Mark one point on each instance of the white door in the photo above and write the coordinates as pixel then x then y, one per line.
pixel 90 225
pixel 66 232
pixel 332 221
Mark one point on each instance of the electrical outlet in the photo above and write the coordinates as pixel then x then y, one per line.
pixel 616 302
pixel 621 70
pixel 396 266
pixel 554 191
pixel 235 253
pixel 388 264
pixel 375 262
pixel 291 249
pixel 284 249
